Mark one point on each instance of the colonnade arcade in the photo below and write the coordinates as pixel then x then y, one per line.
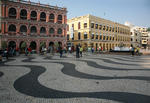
pixel 34 45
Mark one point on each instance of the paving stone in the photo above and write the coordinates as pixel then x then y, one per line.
pixel 94 78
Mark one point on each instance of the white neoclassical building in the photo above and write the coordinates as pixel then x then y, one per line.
pixel 136 35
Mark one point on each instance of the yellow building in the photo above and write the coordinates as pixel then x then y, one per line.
pixel 92 31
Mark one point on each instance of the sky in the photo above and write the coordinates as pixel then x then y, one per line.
pixel 136 12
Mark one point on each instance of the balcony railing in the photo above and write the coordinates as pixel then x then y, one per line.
pixel 12 16
pixel 43 19
pixel 33 18
pixel 23 17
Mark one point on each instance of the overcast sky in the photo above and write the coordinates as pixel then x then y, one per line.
pixel 135 11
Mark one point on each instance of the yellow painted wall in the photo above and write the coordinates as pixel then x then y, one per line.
pixel 106 44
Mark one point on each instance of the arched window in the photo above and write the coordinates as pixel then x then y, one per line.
pixel 96 35
pixel 23 29
pixel 33 15
pixel 68 36
pixel 23 14
pixel 42 30
pixel 100 38
pixel 104 37
pixel 79 25
pixel 12 28
pixel 85 25
pixel 85 35
pixel 33 29
pixel 59 19
pixel 92 36
pixel 12 13
pixel 59 31
pixel 51 30
pixel 92 25
pixel 33 45
pixel 43 16
pixel 104 28
pixel 51 18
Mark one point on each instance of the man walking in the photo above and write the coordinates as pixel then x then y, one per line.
pixel 77 52
pixel 60 51
pixel 81 50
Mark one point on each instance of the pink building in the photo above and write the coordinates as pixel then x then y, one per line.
pixel 32 23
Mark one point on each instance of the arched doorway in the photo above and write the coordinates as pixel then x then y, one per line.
pixel 22 46
pixel 51 43
pixel 51 47
pixel 33 45
pixel 12 44
pixel 59 43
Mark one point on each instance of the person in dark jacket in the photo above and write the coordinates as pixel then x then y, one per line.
pixel 60 51
pixel 77 51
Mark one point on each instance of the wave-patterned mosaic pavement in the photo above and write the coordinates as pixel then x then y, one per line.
pixel 91 79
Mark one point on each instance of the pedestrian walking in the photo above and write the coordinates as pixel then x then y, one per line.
pixel 81 50
pixel 69 49
pixel 26 51
pixel 138 51
pixel 92 49
pixel 60 51
pixel 29 50
pixel 99 49
pixel 6 54
pixel 132 50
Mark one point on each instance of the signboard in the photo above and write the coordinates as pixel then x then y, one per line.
pixel 71 32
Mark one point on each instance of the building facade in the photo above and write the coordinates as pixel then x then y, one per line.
pixel 136 35
pixel 136 38
pixel 32 23
pixel 92 31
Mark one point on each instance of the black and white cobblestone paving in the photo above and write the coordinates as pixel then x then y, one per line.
pixel 90 79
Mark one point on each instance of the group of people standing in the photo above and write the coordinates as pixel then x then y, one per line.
pixel 79 51
pixel 135 50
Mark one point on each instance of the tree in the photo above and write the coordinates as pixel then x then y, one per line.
pixel 148 29
pixel 56 45
pixel 22 47
pixel 42 44
pixel 4 45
